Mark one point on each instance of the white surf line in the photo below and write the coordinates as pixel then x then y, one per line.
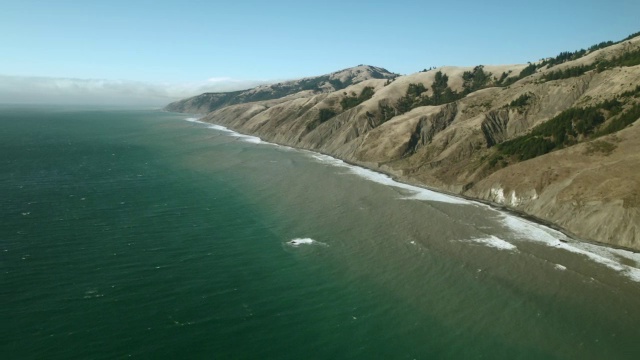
pixel 384 179
pixel 495 242
pixel 243 137
pixel 195 120
pixel 418 193
pixel 235 134
pixel 531 231
pixel 525 229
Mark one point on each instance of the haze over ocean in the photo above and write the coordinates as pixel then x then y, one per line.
pixel 137 52
pixel 139 234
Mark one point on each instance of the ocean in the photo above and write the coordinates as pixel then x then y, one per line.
pixel 139 234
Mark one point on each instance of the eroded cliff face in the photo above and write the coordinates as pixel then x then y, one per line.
pixel 590 189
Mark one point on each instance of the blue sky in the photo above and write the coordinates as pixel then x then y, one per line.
pixel 191 42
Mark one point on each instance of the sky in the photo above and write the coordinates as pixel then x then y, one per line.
pixel 162 50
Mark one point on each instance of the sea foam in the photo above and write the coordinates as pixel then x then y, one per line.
pixel 531 231
pixel 237 135
pixel 219 128
pixel 304 241
pixel 496 242
pixel 242 137
pixel 417 193
pixel 248 138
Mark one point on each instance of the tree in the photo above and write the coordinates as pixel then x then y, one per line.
pixel 440 83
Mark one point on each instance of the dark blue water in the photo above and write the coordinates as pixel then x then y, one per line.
pixel 138 234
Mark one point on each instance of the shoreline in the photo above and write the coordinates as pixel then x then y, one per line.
pixel 571 237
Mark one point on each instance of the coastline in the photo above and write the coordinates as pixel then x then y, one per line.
pixel 570 237
pixel 523 225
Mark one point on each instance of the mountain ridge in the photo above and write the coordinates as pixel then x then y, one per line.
pixel 334 81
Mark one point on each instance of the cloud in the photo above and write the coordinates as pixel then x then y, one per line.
pixel 35 90
pixel 221 79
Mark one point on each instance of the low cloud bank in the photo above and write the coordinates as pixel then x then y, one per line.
pixel 47 90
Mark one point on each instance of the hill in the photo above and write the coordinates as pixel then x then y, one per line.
pixel 335 81
pixel 557 139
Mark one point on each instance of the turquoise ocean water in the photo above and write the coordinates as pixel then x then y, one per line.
pixel 137 234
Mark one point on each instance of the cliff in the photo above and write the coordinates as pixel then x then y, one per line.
pixel 557 139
